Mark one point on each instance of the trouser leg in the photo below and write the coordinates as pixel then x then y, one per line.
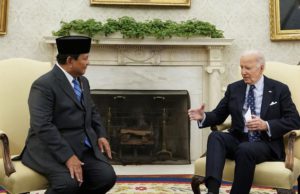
pixel 99 176
pixel 62 183
pixel 219 146
pixel 247 155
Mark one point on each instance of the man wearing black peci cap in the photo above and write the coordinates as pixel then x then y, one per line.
pixel 66 140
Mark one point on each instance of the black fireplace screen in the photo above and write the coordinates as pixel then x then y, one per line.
pixel 146 127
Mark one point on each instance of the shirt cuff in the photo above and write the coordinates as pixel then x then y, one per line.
pixel 268 129
pixel 200 122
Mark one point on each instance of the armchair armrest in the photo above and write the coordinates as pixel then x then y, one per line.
pixel 222 127
pixel 290 138
pixel 8 165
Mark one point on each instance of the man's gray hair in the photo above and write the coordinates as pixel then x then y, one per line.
pixel 260 58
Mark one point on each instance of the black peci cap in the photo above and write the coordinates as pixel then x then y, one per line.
pixel 73 45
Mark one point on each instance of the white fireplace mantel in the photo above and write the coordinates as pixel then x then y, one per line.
pixel 153 48
pixel 192 64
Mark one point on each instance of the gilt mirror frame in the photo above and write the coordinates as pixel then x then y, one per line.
pixel 184 3
pixel 284 25
pixel 3 16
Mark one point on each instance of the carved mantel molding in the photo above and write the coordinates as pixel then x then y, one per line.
pixel 206 52
pixel 197 41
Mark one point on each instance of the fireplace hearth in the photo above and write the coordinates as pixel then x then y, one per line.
pixel 146 127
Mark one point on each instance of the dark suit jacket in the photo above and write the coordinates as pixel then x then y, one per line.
pixel 59 123
pixel 281 115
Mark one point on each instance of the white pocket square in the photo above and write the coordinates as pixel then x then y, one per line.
pixel 272 103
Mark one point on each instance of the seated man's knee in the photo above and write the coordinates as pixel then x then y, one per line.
pixel 105 180
pixel 245 149
pixel 215 135
pixel 110 178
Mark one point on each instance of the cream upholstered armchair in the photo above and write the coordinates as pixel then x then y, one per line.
pixel 15 81
pixel 281 176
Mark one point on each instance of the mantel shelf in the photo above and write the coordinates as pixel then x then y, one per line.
pixel 175 41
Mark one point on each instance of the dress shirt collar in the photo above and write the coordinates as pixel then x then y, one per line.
pixel 259 84
pixel 69 76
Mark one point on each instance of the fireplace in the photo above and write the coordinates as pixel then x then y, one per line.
pixel 133 68
pixel 146 126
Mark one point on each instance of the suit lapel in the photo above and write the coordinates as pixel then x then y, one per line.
pixel 65 85
pixel 267 97
pixel 241 95
pixel 84 93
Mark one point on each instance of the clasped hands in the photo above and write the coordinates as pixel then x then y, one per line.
pixel 256 124
pixel 75 165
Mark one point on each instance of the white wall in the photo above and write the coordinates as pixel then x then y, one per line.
pixel 247 22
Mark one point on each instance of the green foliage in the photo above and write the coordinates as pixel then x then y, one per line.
pixel 130 28
pixel 89 27
pixel 111 26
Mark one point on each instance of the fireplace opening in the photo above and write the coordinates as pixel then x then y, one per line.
pixel 146 126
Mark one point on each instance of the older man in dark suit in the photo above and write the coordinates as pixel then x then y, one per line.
pixel 66 141
pixel 261 110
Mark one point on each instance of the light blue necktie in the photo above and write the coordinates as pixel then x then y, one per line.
pixel 252 135
pixel 77 89
pixel 78 93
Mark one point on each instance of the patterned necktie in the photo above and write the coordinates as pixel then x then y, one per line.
pixel 252 135
pixel 77 89
pixel 78 94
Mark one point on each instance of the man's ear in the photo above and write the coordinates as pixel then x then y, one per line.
pixel 69 60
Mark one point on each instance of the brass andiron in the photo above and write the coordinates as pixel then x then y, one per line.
pixel 109 121
pixel 164 154
pixel 111 135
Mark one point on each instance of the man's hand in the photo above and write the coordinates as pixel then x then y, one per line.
pixel 197 113
pixel 256 124
pixel 74 166
pixel 104 146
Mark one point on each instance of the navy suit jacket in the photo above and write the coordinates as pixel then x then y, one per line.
pixel 277 109
pixel 59 123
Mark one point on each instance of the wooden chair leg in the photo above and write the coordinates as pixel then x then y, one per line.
pixel 285 191
pixel 196 181
pixel 298 184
